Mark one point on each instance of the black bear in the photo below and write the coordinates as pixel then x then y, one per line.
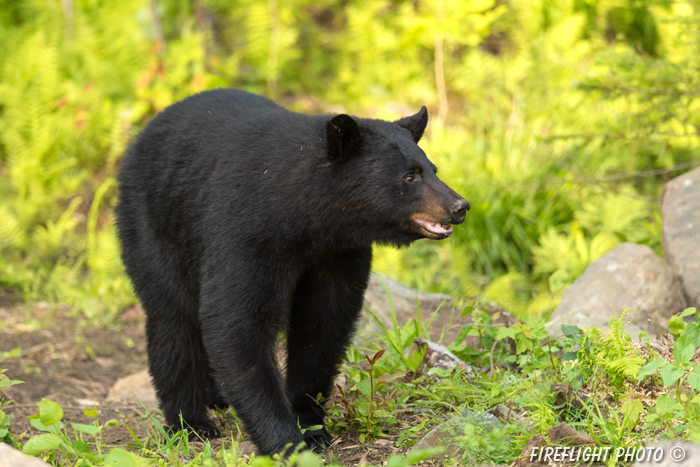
pixel 238 220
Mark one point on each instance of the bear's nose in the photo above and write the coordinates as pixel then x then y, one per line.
pixel 459 210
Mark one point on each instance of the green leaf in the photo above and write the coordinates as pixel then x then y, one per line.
pixel 82 447
pixel 632 410
pixel 467 310
pixel 119 457
pixel 6 382
pixel 89 429
pixel 36 423
pixel 136 439
pixel 382 414
pixel 416 457
pixel 158 425
pixel 692 331
pixel 569 330
pixel 694 378
pixel 683 348
pixel 308 459
pixel 462 334
pixel 392 311
pixel 365 387
pixel 688 312
pixel 670 374
pixel 41 443
pixel 312 428
pixel 676 325
pixel 522 343
pixel 650 368
pixel 50 412
pixel 92 413
pixel 390 337
pixel 507 332
pixel 666 404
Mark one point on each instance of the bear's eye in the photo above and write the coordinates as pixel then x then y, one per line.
pixel 410 178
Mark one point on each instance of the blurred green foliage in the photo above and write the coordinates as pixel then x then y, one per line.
pixel 558 120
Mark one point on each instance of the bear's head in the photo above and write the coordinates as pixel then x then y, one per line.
pixel 390 183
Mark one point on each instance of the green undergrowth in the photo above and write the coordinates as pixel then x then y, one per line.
pixel 558 121
pixel 620 392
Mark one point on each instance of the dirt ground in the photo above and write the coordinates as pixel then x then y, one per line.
pixel 75 363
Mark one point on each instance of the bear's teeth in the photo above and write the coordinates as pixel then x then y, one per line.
pixel 433 227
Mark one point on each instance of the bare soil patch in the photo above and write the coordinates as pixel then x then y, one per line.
pixel 69 360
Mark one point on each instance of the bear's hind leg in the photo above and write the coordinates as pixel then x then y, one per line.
pixel 179 366
pixel 326 305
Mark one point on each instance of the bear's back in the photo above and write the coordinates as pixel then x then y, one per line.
pixel 218 151
pixel 189 136
pixel 235 101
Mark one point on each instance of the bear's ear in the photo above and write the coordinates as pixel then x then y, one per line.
pixel 343 137
pixel 415 123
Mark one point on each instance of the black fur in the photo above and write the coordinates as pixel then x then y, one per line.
pixel 239 219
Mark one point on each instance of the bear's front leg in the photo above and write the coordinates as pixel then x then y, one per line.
pixel 325 308
pixel 242 309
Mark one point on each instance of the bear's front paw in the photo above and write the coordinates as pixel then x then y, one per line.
pixel 317 440
pixel 202 431
pixel 205 433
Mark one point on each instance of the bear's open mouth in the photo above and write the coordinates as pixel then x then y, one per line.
pixel 434 228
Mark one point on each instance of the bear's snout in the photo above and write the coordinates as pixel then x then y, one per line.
pixel 459 211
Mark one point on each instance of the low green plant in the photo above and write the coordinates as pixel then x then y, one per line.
pixel 400 338
pixel 487 446
pixel 681 370
pixel 364 406
pixel 86 442
pixel 610 357
pixel 613 426
pixel 5 435
pixel 517 344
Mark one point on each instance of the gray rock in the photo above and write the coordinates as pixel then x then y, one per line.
pixel 128 389
pixel 445 433
pixel 10 457
pixel 629 276
pixel 404 301
pixel 671 454
pixel 448 319
pixel 246 448
pixel 561 434
pixel 680 235
pixel 508 415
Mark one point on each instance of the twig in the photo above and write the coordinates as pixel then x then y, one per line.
pixel 606 179
pixel 275 40
pixel 68 12
pixel 203 30
pixel 157 25
pixel 493 348
pixel 439 68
